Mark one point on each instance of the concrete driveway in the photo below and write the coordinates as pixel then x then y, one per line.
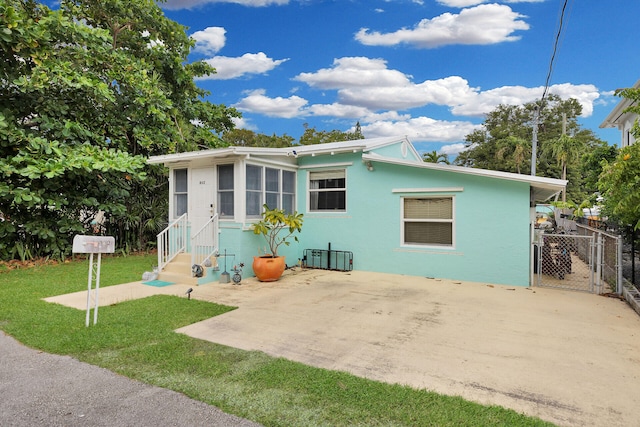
pixel 567 357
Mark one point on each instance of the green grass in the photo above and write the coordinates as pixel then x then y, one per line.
pixel 136 339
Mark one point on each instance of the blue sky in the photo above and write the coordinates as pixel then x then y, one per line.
pixel 428 69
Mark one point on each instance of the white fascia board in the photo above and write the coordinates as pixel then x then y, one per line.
pixel 613 118
pixel 190 155
pixel 545 187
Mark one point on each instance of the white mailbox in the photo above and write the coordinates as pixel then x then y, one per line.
pixel 94 244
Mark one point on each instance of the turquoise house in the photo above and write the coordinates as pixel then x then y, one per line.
pixel 373 202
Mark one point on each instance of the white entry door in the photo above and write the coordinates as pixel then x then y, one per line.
pixel 202 197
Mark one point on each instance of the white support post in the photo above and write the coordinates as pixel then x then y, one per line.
pixel 93 245
pixel 89 286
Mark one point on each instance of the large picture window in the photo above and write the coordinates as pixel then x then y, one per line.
pixel 274 187
pixel 427 221
pixel 180 192
pixel 225 191
pixel 327 190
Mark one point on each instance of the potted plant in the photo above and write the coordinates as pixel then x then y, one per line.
pixel 277 227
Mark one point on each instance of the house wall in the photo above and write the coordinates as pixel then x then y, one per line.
pixel 491 223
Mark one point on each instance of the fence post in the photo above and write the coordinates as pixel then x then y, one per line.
pixel 599 263
pixel 619 257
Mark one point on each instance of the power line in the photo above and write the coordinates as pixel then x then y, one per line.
pixel 555 50
pixel 534 139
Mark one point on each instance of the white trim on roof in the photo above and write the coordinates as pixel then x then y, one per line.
pixel 613 118
pixel 544 188
pixel 295 151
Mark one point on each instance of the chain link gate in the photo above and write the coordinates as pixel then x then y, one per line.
pixel 588 261
pixel 564 261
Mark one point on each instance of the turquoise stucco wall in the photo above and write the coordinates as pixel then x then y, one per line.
pixel 491 225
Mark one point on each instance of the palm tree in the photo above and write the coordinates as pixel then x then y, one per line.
pixel 564 149
pixel 434 157
pixel 518 148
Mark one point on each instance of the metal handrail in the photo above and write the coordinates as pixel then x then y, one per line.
pixel 204 243
pixel 172 241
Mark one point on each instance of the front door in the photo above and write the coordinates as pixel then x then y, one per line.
pixel 202 197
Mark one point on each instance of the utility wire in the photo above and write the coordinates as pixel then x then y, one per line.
pixel 555 50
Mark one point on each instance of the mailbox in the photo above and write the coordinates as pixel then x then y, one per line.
pixel 93 244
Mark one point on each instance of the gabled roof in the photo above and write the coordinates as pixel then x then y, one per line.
pixel 359 145
pixel 613 119
pixel 542 188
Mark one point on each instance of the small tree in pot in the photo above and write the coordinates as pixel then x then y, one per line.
pixel 273 223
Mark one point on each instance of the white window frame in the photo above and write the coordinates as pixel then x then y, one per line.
pixel 341 189
pixel 232 191
pixel 280 191
pixel 451 221
pixel 177 193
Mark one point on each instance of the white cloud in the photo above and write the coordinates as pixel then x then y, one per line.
pixel 257 102
pixel 485 101
pixel 190 4
pixel 354 72
pixel 421 129
pixel 243 123
pixel 368 83
pixel 480 25
pixel 467 3
pixel 210 40
pixel 452 150
pixel 233 67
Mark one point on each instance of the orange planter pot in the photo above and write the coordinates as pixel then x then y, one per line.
pixel 268 268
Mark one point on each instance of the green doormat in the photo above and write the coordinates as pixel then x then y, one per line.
pixel 157 283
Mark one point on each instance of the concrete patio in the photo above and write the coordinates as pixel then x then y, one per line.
pixel 571 358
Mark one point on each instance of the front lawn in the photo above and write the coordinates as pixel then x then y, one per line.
pixel 136 339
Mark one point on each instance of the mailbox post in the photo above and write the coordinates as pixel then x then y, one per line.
pixel 93 245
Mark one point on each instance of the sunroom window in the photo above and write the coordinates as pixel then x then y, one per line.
pixel 225 191
pixel 180 192
pixel 327 190
pixel 274 187
pixel 427 221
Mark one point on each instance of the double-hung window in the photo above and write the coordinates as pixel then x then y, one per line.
pixel 270 186
pixel 327 190
pixel 225 191
pixel 428 221
pixel 180 192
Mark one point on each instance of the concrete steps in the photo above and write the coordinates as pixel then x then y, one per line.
pixel 179 271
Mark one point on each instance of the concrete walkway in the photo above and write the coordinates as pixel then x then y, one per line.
pixel 567 357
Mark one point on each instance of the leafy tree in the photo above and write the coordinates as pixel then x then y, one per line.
pixel 248 138
pixel 312 136
pixel 565 149
pixel 434 157
pixel 514 149
pixel 620 179
pixel 592 162
pixel 504 141
pixel 87 92
pixel 619 185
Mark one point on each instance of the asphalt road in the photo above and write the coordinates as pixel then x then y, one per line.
pixel 41 389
